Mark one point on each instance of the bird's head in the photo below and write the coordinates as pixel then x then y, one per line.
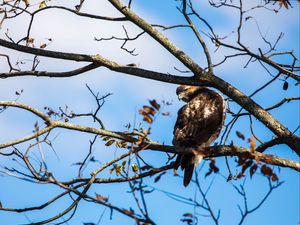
pixel 186 92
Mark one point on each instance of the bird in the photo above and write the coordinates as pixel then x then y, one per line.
pixel 199 123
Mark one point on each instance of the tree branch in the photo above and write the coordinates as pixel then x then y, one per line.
pixel 215 151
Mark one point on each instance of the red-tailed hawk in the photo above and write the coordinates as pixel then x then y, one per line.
pixel 198 124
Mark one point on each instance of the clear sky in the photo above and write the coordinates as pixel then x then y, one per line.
pixel 73 34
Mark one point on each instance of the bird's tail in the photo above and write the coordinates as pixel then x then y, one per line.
pixel 187 164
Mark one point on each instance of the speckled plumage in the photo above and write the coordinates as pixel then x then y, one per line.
pixel 198 124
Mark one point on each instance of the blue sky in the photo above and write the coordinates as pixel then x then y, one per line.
pixel 73 34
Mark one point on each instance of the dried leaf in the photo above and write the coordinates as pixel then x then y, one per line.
pixel 121 144
pixel 30 40
pixel 285 85
pixel 175 172
pixel 208 173
pixel 110 142
pixel 127 212
pixel 155 104
pixel 26 2
pixel 159 176
pixel 246 165
pixel 188 215
pixel 166 114
pixel 267 171
pixel 240 135
pixel 213 166
pixel 101 198
pixel 253 170
pixel 118 169
pixel 240 175
pixel 111 170
pixel 43 46
pixel 252 144
pixel 42 5
pixel 146 167
pixel 274 177
pixel 148 119
pixel 284 3
pixel 135 168
pixel 106 138
pixel 148 110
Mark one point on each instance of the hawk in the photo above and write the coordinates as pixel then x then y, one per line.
pixel 198 124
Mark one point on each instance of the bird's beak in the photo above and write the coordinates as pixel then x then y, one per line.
pixel 180 97
pixel 183 97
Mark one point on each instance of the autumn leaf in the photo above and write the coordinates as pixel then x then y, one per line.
pixel 121 144
pixel 266 170
pixel 240 135
pixel 43 46
pixel 26 2
pixel 188 215
pixel 253 170
pixel 110 142
pixel 101 198
pixel 285 85
pixel 166 114
pixel 42 5
pixel 246 165
pixel 106 138
pixel 252 144
pixel 118 169
pixel 146 167
pixel 135 168
pixel 30 41
pixel 213 166
pixel 148 119
pixel 159 176
pixel 148 110
pixel 284 3
pixel 154 104
pixel 127 212
pixel 274 177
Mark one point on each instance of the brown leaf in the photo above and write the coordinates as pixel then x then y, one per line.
pixel 30 40
pixel 155 104
pixel 121 144
pixel 213 166
pixel 118 169
pixel 240 175
pixel 274 177
pixel 43 46
pixel 26 2
pixel 101 198
pixel 159 176
pixel 252 144
pixel 246 165
pixel 253 170
pixel 285 85
pixel 240 135
pixel 166 114
pixel 175 172
pixel 148 119
pixel 106 138
pixel 148 110
pixel 266 170
pixel 188 215
pixel 146 167
pixel 127 212
pixel 135 168
pixel 284 3
pixel 110 142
